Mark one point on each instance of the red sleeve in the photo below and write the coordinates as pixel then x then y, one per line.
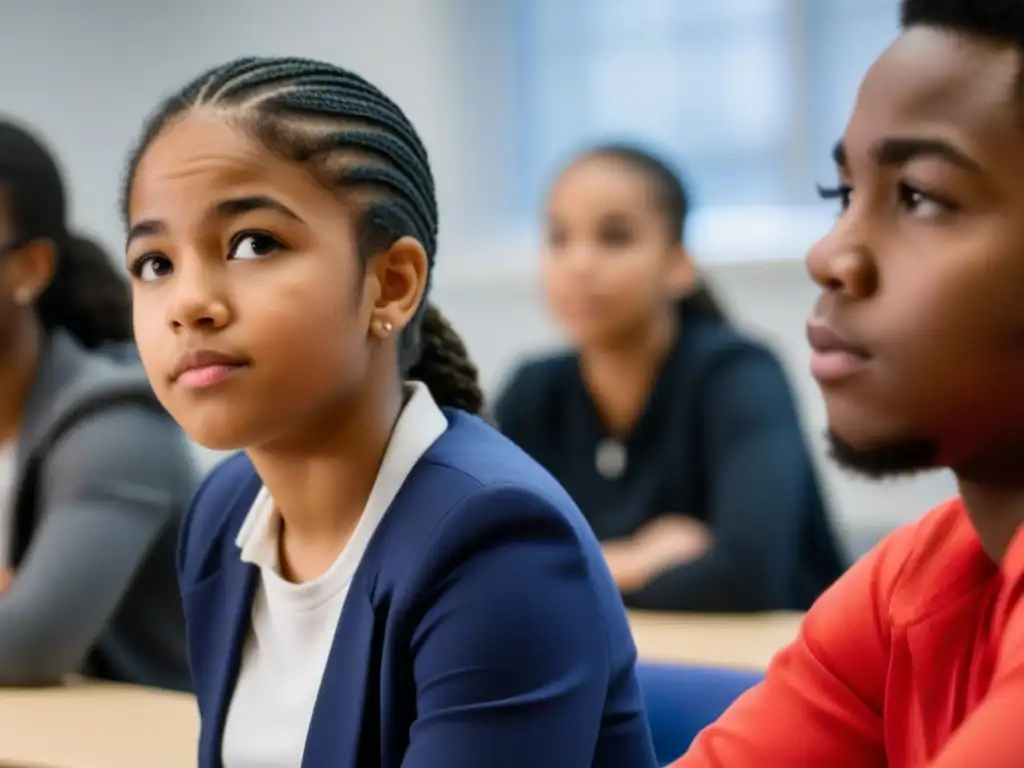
pixel 990 736
pixel 821 700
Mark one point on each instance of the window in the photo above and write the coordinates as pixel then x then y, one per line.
pixel 843 38
pixel 746 96
pixel 702 81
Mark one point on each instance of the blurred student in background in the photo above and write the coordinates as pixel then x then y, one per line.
pixel 93 473
pixel 675 434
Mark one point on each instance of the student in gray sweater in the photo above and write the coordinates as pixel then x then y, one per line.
pixel 93 474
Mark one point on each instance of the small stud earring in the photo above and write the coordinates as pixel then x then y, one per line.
pixel 386 327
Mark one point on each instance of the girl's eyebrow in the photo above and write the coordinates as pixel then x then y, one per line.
pixel 225 209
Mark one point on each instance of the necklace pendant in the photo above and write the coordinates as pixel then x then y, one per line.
pixel 611 458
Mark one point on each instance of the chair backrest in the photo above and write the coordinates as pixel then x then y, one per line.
pixel 682 700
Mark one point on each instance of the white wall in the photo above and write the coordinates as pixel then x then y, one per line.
pixel 87 73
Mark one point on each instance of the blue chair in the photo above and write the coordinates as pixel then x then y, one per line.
pixel 682 700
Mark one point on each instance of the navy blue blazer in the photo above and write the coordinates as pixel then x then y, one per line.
pixel 482 627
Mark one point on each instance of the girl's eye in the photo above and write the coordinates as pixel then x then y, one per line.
pixel 253 245
pixel 152 267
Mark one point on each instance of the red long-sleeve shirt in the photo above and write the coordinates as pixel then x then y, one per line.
pixel 913 659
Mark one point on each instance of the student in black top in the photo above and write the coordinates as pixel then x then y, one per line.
pixel 676 435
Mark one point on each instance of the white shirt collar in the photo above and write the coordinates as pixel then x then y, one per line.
pixel 419 425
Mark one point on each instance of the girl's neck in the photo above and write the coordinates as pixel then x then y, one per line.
pixel 619 378
pixel 19 364
pixel 321 477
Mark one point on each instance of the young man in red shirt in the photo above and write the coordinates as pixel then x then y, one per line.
pixel 915 658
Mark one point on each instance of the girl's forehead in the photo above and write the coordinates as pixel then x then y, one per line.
pixel 199 136
pixel 202 159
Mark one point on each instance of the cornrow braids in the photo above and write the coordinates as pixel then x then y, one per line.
pixel 355 139
pixel 443 350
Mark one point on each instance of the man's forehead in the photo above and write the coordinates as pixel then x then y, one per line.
pixel 936 84
pixel 929 73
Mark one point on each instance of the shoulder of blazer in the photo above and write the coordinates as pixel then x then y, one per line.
pixel 214 517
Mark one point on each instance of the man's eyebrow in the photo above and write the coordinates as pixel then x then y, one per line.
pixel 898 151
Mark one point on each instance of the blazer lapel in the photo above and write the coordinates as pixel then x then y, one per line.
pixel 341 702
pixel 218 611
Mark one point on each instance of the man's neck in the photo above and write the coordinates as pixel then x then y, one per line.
pixel 996 511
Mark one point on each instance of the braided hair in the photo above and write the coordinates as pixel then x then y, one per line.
pixel 86 295
pixel 353 138
pixel 673 205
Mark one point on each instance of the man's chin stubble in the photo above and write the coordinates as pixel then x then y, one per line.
pixel 893 458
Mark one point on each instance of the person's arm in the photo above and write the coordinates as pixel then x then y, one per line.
pixel 664 543
pixel 512 651
pixel 990 736
pixel 821 701
pixel 105 495
pixel 758 491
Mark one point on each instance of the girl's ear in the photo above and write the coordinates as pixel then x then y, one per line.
pixel 400 278
pixel 682 273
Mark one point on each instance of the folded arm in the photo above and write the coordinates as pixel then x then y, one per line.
pixel 760 481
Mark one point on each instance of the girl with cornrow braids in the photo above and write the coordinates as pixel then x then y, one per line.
pixel 379 578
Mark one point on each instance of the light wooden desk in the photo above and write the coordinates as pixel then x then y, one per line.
pixel 115 726
pixel 97 726
pixel 746 642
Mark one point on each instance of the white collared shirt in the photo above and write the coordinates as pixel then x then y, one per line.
pixel 293 625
